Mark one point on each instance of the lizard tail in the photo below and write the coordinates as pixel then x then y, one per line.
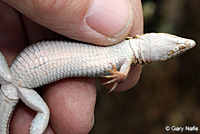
pixel 8 96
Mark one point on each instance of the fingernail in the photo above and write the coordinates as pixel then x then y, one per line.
pixel 109 17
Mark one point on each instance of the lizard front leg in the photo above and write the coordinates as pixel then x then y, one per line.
pixel 118 76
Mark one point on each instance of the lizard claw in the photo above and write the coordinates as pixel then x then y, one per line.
pixel 116 75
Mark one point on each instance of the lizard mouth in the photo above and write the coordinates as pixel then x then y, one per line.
pixel 182 47
pixel 190 43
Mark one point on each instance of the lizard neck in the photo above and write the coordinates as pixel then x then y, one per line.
pixel 138 52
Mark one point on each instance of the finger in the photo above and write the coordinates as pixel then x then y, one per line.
pixel 12 37
pixel 94 21
pixel 71 103
pixel 36 32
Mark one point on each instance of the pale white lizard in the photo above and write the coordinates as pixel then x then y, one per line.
pixel 49 61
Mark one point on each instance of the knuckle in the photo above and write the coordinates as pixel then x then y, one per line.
pixel 45 6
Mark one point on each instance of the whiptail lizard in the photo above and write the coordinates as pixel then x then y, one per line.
pixel 49 61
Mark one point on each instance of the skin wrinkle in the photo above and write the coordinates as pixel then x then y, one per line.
pixel 46 13
pixel 89 89
pixel 48 6
pixel 60 27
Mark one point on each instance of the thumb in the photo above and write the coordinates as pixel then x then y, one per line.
pixel 94 21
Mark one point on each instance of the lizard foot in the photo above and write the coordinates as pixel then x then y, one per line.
pixel 116 77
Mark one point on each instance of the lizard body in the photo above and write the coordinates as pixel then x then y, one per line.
pixel 48 61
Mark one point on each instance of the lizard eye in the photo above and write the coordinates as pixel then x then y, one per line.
pixel 175 49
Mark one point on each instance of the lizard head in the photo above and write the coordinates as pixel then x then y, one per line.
pixel 160 47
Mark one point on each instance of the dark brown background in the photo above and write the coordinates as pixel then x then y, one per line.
pixel 168 94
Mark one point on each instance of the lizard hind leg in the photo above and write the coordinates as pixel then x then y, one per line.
pixel 33 100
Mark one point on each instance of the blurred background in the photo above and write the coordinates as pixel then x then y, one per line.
pixel 168 94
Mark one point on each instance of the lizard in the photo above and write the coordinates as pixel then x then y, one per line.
pixel 48 61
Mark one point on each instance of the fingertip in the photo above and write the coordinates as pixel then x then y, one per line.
pixel 110 17
pixel 71 103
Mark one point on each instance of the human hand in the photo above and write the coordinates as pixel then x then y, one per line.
pixel 71 101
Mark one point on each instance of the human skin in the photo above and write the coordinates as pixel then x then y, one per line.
pixel 71 101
